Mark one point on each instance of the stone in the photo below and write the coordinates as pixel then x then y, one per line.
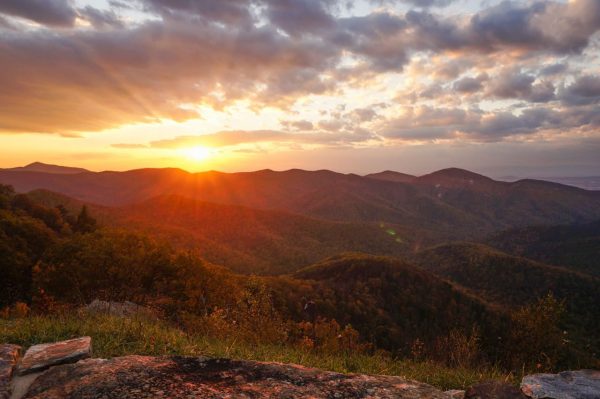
pixel 186 377
pixel 581 384
pixel 40 357
pixel 9 355
pixel 493 390
pixel 455 393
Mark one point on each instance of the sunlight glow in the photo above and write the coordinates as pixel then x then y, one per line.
pixel 198 153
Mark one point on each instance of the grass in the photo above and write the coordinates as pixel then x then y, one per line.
pixel 118 336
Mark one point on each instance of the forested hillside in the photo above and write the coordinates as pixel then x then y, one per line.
pixel 56 260
pixel 574 246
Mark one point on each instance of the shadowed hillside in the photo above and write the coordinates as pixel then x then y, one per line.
pixel 388 300
pixel 513 281
pixel 574 246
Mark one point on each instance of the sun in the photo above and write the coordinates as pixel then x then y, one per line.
pixel 198 153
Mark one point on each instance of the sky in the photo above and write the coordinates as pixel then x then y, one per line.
pixel 497 87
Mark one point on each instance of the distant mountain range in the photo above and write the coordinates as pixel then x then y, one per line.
pixel 47 168
pixel 447 204
pixel 585 182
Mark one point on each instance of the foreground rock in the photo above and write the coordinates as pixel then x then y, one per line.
pixel 180 377
pixel 41 357
pixel 493 390
pixel 455 393
pixel 582 384
pixel 9 354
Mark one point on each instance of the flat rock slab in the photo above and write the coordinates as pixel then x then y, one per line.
pixel 41 357
pixel 582 384
pixel 182 377
pixel 9 354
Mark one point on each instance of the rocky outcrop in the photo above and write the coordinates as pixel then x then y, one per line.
pixel 9 354
pixel 455 393
pixel 40 357
pixel 64 370
pixel 181 377
pixel 582 384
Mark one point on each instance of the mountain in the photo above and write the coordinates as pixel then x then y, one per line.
pixel 449 204
pixel 253 241
pixel 460 178
pixel 243 239
pixel 390 301
pixel 576 247
pixel 47 168
pixel 389 175
pixel 513 281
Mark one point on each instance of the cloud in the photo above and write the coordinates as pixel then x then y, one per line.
pixel 186 54
pixel 237 137
pixel 512 83
pixel 126 146
pixel 222 139
pixel 469 84
pixel 101 19
pixel 425 123
pixel 300 17
pixel 585 90
pixel 86 81
pixel 57 13
pixel 226 11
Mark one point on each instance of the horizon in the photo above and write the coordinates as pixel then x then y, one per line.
pixel 578 181
pixel 500 88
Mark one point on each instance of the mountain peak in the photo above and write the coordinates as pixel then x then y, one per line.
pixel 48 168
pixel 459 178
pixel 390 175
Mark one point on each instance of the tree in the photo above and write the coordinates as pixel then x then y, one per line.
pixel 85 223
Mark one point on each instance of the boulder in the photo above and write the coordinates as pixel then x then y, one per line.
pixel 9 354
pixel 184 377
pixel 41 357
pixel 582 384
pixel 493 390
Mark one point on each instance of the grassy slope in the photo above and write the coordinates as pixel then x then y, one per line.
pixel 115 336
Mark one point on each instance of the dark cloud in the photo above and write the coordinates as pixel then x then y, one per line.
pixel 58 13
pixel 101 19
pixel 428 124
pixel 515 84
pixel 469 84
pixel 585 90
pixel 416 3
pixel 227 11
pixel 299 17
pixel 429 3
pixel 554 69
pixel 540 26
